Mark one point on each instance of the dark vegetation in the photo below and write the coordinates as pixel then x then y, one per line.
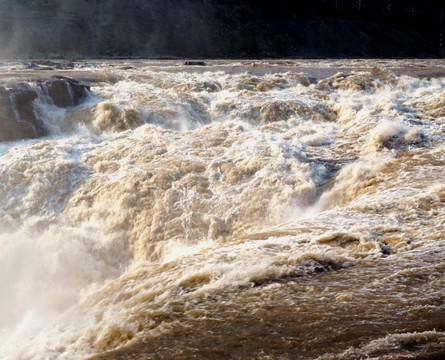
pixel 221 28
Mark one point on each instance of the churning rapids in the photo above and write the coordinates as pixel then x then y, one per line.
pixel 247 210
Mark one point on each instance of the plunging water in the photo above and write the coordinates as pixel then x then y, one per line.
pixel 275 209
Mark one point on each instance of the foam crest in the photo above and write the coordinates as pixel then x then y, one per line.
pixel 394 134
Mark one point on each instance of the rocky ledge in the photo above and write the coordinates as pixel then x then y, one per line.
pixel 17 116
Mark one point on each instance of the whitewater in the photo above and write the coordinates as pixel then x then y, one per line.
pixel 290 209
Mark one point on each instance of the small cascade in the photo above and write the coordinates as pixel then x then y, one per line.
pixel 70 92
pixel 44 109
pixel 14 108
pixel 43 94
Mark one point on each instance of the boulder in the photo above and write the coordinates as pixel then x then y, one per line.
pixel 66 91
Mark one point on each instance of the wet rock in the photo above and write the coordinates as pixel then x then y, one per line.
pixel 22 97
pixel 17 116
pixel 65 91
pixel 15 103
pixel 195 63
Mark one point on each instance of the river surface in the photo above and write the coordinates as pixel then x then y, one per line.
pixel 287 209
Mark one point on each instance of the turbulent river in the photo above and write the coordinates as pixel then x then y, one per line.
pixel 246 210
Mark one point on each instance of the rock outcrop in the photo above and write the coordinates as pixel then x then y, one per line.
pixel 65 91
pixel 17 116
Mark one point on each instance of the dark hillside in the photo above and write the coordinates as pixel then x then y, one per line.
pixel 221 28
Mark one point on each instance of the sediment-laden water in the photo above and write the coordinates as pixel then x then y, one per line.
pixel 250 210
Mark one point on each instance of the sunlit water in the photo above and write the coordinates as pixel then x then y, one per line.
pixel 252 210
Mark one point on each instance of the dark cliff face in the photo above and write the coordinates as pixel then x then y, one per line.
pixel 220 28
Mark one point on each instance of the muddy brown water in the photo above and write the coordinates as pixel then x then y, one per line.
pixel 289 209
